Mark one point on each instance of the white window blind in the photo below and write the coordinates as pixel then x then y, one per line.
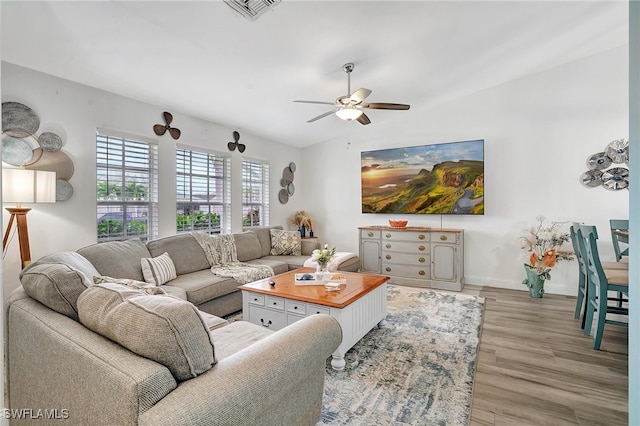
pixel 203 191
pixel 255 193
pixel 127 187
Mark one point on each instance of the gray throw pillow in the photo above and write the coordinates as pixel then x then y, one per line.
pixel 163 328
pixel 55 285
pixel 285 242
pixel 247 246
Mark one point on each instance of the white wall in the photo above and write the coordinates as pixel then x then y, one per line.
pixel 538 132
pixel 77 110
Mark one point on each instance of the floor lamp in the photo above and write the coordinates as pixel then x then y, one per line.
pixel 25 186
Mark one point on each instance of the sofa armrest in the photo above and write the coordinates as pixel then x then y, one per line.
pixel 277 380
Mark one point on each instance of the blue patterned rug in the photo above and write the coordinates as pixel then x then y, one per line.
pixel 416 370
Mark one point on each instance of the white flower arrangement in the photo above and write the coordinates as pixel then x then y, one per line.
pixel 323 256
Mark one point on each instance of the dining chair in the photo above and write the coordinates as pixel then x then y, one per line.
pixel 576 236
pixel 618 229
pixel 599 283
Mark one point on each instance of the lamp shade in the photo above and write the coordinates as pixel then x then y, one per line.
pixel 349 113
pixel 28 186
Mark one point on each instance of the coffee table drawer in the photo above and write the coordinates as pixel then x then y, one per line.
pixel 317 309
pixel 296 307
pixel 267 318
pixel 275 303
pixel 256 299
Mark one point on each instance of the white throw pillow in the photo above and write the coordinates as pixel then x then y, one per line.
pixel 158 270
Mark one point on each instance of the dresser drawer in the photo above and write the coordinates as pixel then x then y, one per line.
pixel 404 258
pixel 275 302
pixel 317 309
pixel 255 299
pixel 406 247
pixel 405 236
pixel 296 307
pixel 418 272
pixel 267 318
pixel 370 233
pixel 445 237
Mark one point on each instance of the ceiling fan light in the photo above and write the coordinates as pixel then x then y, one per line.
pixel 349 114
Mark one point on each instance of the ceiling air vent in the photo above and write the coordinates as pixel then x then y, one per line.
pixel 252 9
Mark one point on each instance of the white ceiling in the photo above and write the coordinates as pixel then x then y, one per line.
pixel 202 59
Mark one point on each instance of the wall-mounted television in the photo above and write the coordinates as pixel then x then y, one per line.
pixel 444 178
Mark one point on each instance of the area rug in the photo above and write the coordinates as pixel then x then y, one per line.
pixel 416 370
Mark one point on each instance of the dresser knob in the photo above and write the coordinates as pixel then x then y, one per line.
pixel 388 246
pixel 388 269
pixel 420 272
pixel 388 257
pixel 275 303
pixel 421 237
pixel 443 237
pixel 421 260
pixel 370 234
pixel 267 324
pixel 295 307
pixel 388 235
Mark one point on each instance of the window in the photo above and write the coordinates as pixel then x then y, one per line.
pixel 255 193
pixel 203 191
pixel 127 187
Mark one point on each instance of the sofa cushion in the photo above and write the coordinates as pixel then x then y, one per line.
pixel 203 286
pixel 158 270
pixel 162 328
pixel 127 282
pixel 264 236
pixel 285 242
pixel 55 285
pixel 237 336
pixel 247 246
pixel 185 251
pixel 118 259
pixel 279 266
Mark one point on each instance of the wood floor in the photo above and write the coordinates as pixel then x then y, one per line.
pixel 536 367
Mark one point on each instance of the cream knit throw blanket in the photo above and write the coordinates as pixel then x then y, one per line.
pixel 223 259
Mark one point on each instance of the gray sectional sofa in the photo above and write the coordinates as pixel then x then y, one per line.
pixel 77 355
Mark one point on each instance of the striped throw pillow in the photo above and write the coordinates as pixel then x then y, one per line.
pixel 158 270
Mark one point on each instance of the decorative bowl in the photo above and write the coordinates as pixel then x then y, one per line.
pixel 398 223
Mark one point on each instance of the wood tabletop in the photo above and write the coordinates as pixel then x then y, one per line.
pixel 357 286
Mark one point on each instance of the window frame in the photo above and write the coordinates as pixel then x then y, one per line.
pixel 224 180
pixel 132 157
pixel 262 187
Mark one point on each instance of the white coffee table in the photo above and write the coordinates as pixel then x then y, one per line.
pixel 359 305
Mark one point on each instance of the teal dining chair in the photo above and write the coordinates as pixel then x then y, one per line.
pixel 617 226
pixel 600 283
pixel 576 236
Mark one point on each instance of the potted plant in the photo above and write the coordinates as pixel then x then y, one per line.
pixel 545 243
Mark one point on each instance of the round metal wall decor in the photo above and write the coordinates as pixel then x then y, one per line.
pixel 286 182
pixel 19 120
pixel 64 190
pixel 20 151
pixel 50 141
pixel 599 161
pixel 616 178
pixel 603 170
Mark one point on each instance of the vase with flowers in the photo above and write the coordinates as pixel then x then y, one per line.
pixel 545 243
pixel 322 257
pixel 302 220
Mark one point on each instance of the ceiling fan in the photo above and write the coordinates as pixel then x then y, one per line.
pixel 349 107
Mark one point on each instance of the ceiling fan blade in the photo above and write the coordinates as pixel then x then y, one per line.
pixel 363 119
pixel 159 129
pixel 360 95
pixel 175 133
pixel 316 102
pixel 168 117
pixel 322 115
pixel 380 105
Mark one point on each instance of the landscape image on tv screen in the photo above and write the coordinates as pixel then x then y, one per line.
pixel 446 178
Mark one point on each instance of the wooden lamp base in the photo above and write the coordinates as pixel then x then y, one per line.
pixel 20 215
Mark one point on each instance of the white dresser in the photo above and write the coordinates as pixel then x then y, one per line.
pixel 421 257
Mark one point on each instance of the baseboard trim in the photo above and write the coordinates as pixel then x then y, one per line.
pixel 565 289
